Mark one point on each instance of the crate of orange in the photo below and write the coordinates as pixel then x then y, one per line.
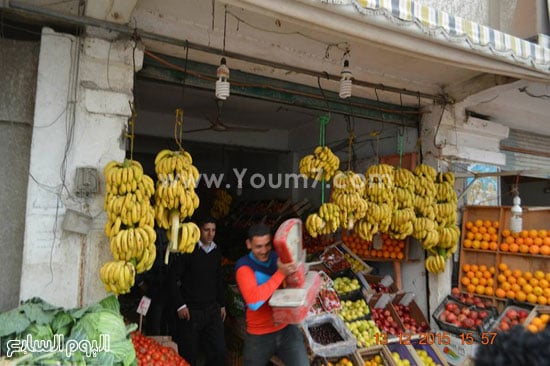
pixel 391 250
pixel 538 319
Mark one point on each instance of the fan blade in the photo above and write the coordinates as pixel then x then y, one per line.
pixel 247 129
pixel 198 130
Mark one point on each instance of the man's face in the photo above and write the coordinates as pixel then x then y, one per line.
pixel 208 231
pixel 260 246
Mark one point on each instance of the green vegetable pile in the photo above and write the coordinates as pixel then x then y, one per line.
pixel 93 335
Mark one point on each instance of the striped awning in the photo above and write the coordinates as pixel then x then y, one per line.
pixel 439 24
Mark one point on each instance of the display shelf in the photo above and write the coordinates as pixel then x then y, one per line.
pixel 495 222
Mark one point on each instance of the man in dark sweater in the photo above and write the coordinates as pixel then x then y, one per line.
pixel 196 288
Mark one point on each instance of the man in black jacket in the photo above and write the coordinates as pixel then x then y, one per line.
pixel 196 287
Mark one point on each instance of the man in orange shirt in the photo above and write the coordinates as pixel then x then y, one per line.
pixel 258 275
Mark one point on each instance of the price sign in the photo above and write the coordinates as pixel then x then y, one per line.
pixel 143 306
pixel 377 242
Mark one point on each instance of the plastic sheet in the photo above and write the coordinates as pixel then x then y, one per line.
pixel 345 347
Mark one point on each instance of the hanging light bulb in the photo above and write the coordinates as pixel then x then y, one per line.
pixel 345 82
pixel 222 85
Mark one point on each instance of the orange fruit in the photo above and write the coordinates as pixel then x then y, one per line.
pixel 500 293
pixel 542 233
pixel 478 223
pixel 505 233
pixel 514 248
pixel 480 290
pixel 532 328
pixel 465 281
pixel 537 290
pixel 474 229
pixel 470 274
pixel 490 282
pixel 483 282
pixel 533 233
pixel 534 249
pixel 469 225
pixel 486 237
pixel 512 280
pixel 522 281
pixel 519 241
pixel 516 287
pixel 546 240
pixel 506 286
pixel 487 223
pixel 523 248
pixel 470 236
pixel 529 241
pixel 502 266
pixel 524 233
pixel 465 267
pixel 543 283
pixel 547 276
pixel 491 230
pixel 504 247
pixel 492 269
pixel 474 281
pixel 467 243
pixel 510 240
pixel 511 295
pixel 489 291
pixel 493 246
pixel 531 298
pixel 527 288
pixel 521 296
pixel 527 275
pixel 517 273
pixel 537 241
pixel 476 244
pixel 508 273
pixel 472 288
pixel 474 267
pixel 482 230
pixel 539 275
pixel 546 292
pixel 496 224
pixel 542 300
pixel 484 245
pixel 501 278
pixel 544 318
pixel 534 282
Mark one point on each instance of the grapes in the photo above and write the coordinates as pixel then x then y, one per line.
pixel 325 334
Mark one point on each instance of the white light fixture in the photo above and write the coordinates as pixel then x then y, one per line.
pixel 345 82
pixel 222 85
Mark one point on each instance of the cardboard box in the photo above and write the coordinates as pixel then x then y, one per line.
pixel 457 352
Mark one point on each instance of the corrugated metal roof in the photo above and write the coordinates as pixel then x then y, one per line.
pixel 527 151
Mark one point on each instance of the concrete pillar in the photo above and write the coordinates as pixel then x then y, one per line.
pixel 439 285
pixel 82 104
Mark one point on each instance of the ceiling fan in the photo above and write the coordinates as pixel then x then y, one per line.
pixel 217 125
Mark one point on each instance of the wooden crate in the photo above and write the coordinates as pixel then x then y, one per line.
pixel 533 218
pixel 366 354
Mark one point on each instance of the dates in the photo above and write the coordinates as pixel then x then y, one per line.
pixel 325 334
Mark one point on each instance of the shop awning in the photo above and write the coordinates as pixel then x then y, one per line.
pixel 461 32
pixel 417 30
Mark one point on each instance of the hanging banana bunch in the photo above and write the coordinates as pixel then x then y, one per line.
pixel 326 221
pixel 403 215
pixel 129 226
pixel 189 234
pixel 221 205
pixel 346 194
pixel 435 263
pixel 379 193
pixel 175 197
pixel 117 276
pixel 322 164
pixel 446 209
